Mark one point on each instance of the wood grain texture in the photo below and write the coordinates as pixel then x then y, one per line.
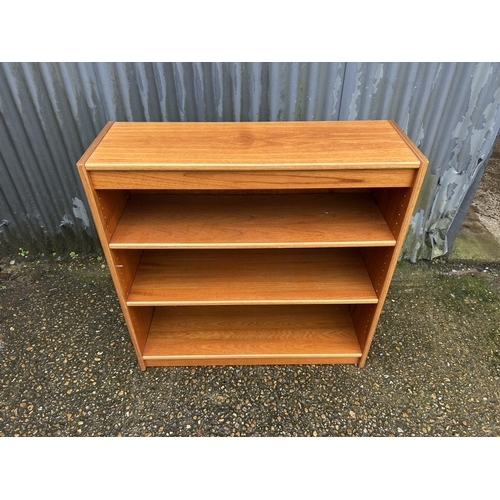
pixel 253 360
pixel 122 264
pixel 251 221
pixel 394 204
pixel 397 206
pixel 232 334
pixel 110 205
pixel 254 305
pixel 252 146
pixel 423 161
pixel 125 264
pixel 86 155
pixel 363 318
pixel 218 277
pixel 140 318
pixel 265 179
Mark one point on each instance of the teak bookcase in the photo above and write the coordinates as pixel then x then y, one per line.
pixel 252 243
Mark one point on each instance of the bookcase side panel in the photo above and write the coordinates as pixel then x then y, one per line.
pixel 396 205
pixel 106 209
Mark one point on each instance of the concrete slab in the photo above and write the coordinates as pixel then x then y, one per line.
pixel 479 236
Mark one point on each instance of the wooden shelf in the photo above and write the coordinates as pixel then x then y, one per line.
pixel 252 146
pixel 251 221
pixel 252 243
pixel 217 277
pixel 251 334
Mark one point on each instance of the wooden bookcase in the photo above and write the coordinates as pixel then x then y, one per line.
pixel 252 243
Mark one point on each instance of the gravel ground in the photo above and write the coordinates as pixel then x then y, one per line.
pixel 68 367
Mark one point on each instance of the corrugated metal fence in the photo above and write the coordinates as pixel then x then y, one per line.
pixel 51 112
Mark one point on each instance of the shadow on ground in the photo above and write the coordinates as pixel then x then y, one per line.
pixel 68 367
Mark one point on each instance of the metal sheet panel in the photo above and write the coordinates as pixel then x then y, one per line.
pixel 50 113
pixel 452 113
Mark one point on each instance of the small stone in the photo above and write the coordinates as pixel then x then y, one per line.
pixel 352 414
pixel 188 426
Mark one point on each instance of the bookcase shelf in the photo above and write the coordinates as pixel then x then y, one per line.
pixel 247 334
pixel 239 277
pixel 251 221
pixel 252 243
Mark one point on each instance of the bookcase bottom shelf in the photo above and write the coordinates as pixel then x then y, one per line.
pixel 239 335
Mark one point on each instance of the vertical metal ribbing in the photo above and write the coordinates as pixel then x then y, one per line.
pixel 50 113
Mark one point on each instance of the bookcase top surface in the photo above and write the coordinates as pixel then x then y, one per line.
pixel 252 145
